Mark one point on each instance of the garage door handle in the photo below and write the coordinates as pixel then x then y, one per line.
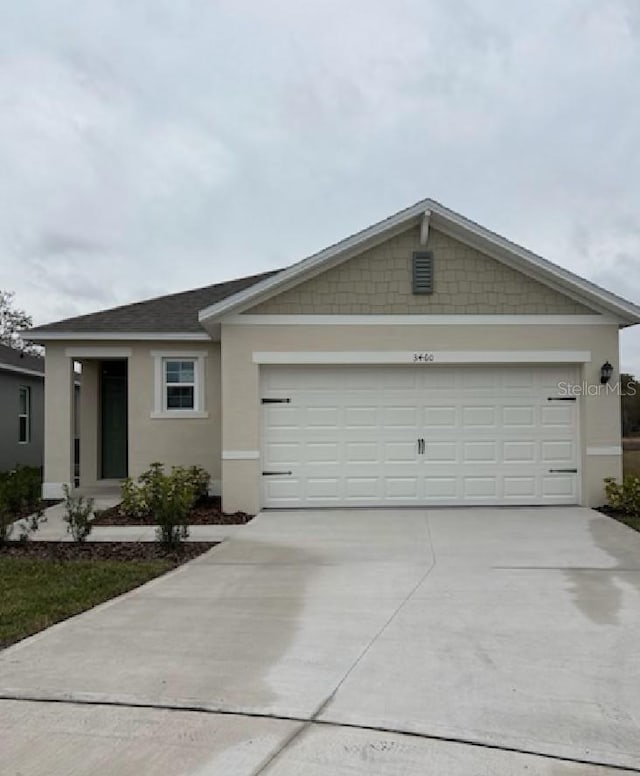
pixel 563 471
pixel 421 446
pixel 273 474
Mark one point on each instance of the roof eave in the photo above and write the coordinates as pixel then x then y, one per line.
pixel 44 335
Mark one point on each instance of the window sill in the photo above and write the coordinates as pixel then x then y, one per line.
pixel 179 414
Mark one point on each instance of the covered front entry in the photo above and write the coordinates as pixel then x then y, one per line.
pixel 414 435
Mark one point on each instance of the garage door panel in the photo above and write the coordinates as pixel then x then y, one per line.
pixel 440 488
pixel 285 490
pixel 520 451
pixel 402 488
pixel 400 417
pixel 480 487
pixel 558 451
pixel 480 452
pixel 282 452
pixel 323 488
pixel 350 436
pixel 400 452
pixel 361 417
pixel 441 452
pixel 558 415
pixel 519 487
pixel 484 416
pixel 362 452
pixel 322 452
pixel 440 417
pixel 559 485
pixel 282 416
pixel 362 489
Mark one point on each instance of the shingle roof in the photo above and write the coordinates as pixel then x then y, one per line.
pixel 16 358
pixel 170 313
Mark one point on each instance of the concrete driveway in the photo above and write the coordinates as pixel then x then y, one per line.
pixel 475 641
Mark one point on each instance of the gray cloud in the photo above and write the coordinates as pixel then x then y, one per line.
pixel 163 145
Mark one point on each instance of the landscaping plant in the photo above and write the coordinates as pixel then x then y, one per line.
pixel 78 514
pixel 20 491
pixel 167 498
pixel 624 497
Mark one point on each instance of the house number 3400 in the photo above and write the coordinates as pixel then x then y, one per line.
pixel 422 357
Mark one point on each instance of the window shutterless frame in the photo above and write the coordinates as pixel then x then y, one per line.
pixel 179 384
pixel 24 414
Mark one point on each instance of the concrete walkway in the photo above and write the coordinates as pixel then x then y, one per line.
pixel 54 529
pixel 458 642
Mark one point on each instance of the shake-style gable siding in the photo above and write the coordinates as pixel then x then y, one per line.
pixel 379 281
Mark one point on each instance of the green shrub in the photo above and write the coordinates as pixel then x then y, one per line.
pixel 78 516
pixel 167 498
pixel 624 497
pixel 199 479
pixel 6 525
pixel 20 490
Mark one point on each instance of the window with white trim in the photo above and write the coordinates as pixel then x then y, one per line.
pixel 179 384
pixel 24 415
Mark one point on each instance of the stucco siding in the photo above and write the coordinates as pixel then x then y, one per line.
pixel 378 282
pixel 13 453
pixel 172 441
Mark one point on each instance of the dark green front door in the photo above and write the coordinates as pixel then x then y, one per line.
pixel 113 392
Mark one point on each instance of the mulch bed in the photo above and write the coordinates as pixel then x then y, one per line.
pixel 69 551
pixel 207 511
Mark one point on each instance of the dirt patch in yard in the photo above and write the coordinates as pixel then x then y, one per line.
pixel 208 511
pixel 121 551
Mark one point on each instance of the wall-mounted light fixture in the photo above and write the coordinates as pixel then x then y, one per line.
pixel 606 370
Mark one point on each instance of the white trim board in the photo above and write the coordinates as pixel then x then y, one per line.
pixel 98 351
pixel 418 320
pixel 160 336
pixel 20 370
pixel 408 358
pixel 240 455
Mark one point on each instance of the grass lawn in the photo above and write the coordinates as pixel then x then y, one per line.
pixel 35 592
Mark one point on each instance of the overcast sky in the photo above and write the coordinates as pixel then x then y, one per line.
pixel 148 146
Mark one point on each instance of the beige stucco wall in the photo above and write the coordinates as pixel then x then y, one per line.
pixel 184 441
pixel 58 421
pixel 172 441
pixel 599 415
pixel 378 281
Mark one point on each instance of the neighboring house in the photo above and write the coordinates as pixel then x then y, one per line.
pixel 22 409
pixel 422 361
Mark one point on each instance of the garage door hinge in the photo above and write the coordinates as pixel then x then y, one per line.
pixel 561 398
pixel 276 401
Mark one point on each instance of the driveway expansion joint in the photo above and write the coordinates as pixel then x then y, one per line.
pixel 306 723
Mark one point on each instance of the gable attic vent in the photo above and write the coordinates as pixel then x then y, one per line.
pixel 423 272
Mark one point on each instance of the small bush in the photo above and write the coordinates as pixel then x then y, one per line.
pixel 167 498
pixel 6 525
pixel 78 517
pixel 20 490
pixel 624 497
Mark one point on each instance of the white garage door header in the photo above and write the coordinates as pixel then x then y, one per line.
pixel 424 357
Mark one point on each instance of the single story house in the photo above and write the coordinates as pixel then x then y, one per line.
pixel 422 361
pixel 22 409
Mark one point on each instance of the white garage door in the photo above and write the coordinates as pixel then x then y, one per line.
pixel 365 436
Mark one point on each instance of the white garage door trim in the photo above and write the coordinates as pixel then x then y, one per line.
pixel 340 436
pixel 433 356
